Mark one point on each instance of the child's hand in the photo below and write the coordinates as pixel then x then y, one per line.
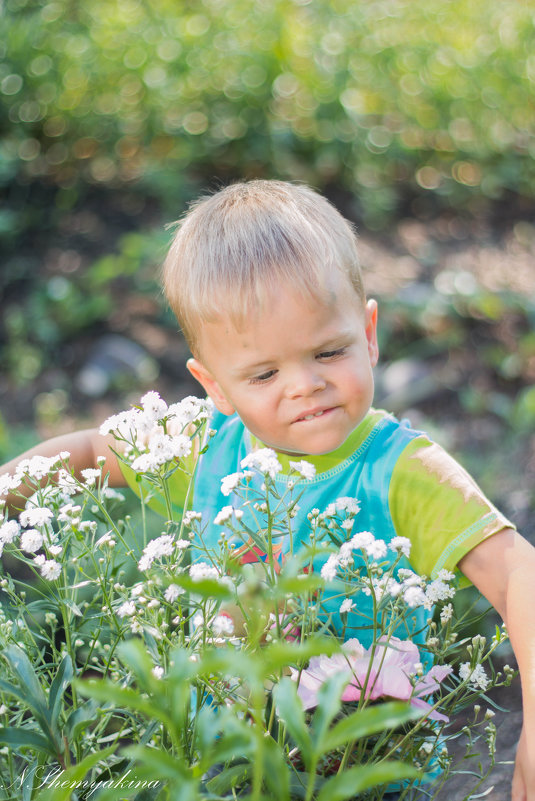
pixel 523 788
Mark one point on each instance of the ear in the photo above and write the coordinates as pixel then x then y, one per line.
pixel 211 387
pixel 371 331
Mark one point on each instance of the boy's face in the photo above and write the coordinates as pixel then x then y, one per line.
pixel 299 373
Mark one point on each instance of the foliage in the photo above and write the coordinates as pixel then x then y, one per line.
pixel 176 686
pixel 386 99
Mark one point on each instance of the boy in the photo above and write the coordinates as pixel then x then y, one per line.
pixel 265 281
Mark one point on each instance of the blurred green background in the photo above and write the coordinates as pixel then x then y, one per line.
pixel 417 119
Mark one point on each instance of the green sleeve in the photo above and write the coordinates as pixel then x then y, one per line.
pixel 439 507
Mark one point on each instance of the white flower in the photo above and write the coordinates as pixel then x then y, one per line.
pixel 55 550
pixel 39 560
pixel 427 747
pixel 345 554
pixel 304 468
pixel 264 460
pixel 35 516
pixel 401 544
pixel 182 544
pixel 127 609
pixel 202 570
pixel 445 575
pixel 230 482
pixel 189 517
pixel 157 672
pixel 477 677
pixel 91 475
pixel 50 570
pixel 190 409
pixel 146 463
pixel 112 494
pixel 8 483
pixel 31 540
pixel 36 467
pixel 438 590
pixel 172 593
pixel 88 526
pixel 105 540
pixel 123 424
pixel 328 571
pixel 67 483
pixel 226 513
pixel 223 515
pixel 365 541
pixel 154 407
pixel 346 606
pixel 383 586
pixel 377 549
pixel 156 549
pixel 414 596
pixel 446 614
pixel 409 576
pixel 349 505
pixel 68 512
pixel 222 625
pixel 9 531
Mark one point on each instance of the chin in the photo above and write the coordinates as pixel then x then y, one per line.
pixel 318 449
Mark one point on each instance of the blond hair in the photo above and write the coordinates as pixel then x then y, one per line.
pixel 235 247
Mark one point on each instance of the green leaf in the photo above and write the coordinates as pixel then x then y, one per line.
pixel 25 738
pixel 80 718
pixel 23 670
pixel 364 722
pixel 229 778
pixel 298 585
pixel 329 703
pixel 134 654
pixel 28 780
pixel 152 764
pixel 290 710
pixel 277 771
pixel 75 609
pixel 61 681
pixel 71 776
pixel 119 696
pixel 205 588
pixel 363 777
pixel 281 653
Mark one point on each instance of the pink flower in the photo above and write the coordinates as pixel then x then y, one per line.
pixel 386 675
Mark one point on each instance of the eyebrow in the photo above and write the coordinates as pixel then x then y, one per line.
pixel 331 343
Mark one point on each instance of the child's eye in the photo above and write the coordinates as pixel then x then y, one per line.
pixel 331 354
pixel 263 377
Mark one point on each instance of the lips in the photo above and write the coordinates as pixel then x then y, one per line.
pixel 313 413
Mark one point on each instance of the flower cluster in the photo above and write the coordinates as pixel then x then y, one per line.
pixel 155 433
pixel 219 627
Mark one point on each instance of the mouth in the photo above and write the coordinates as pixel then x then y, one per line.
pixel 313 414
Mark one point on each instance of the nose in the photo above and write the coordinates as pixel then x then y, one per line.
pixel 304 382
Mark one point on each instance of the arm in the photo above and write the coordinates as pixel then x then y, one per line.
pixel 502 567
pixel 84 447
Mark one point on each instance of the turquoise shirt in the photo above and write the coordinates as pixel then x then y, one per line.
pixel 406 485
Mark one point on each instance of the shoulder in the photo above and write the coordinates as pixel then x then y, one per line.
pixel 439 506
